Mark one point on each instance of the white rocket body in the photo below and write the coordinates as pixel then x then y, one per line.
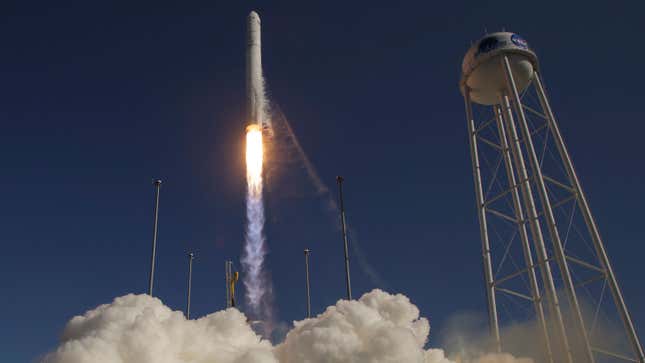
pixel 255 103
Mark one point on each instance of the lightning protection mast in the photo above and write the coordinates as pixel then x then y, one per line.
pixel 348 283
pixel 307 253
pixel 191 257
pixel 151 277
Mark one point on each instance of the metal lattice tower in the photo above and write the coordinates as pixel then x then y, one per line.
pixel 549 281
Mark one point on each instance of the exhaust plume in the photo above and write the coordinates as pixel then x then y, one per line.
pixel 258 286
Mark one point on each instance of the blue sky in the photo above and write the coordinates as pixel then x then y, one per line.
pixel 98 99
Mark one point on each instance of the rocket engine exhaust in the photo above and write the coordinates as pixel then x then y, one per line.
pixel 257 284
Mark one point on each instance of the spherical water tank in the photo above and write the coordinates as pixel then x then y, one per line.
pixel 482 70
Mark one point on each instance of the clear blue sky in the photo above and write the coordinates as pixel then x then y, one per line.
pixel 98 98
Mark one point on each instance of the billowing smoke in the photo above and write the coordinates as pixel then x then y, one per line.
pixel 377 328
pixel 140 329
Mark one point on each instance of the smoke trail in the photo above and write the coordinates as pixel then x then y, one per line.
pixel 331 206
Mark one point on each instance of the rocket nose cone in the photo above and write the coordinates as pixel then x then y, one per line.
pixel 253 15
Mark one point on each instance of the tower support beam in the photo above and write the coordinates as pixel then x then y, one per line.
pixel 548 211
pixel 589 221
pixel 526 247
pixel 536 231
pixel 483 227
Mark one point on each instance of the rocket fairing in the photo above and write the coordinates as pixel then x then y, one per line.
pixel 254 81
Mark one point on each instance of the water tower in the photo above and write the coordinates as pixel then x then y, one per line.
pixel 545 266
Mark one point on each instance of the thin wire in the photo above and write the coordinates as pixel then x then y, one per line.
pixel 506 253
pixel 602 296
pixel 573 213
pixel 498 162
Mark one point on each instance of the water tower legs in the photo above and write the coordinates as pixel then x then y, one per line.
pixel 590 222
pixel 526 247
pixel 536 230
pixel 483 228
pixel 547 210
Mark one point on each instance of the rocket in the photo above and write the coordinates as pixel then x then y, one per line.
pixel 255 98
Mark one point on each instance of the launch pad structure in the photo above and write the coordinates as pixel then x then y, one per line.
pixel 231 281
pixel 545 263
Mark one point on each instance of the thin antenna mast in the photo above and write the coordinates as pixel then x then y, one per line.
pixel 191 257
pixel 227 271
pixel 307 252
pixel 340 180
pixel 157 184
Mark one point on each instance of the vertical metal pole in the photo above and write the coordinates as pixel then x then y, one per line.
pixel 483 228
pixel 536 231
pixel 590 222
pixel 548 212
pixel 191 256
pixel 526 247
pixel 307 252
pixel 227 271
pixel 157 184
pixel 339 180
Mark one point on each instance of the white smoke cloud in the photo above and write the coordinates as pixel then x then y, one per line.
pixel 377 328
pixel 140 329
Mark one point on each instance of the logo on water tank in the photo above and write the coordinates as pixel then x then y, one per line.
pixel 519 41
